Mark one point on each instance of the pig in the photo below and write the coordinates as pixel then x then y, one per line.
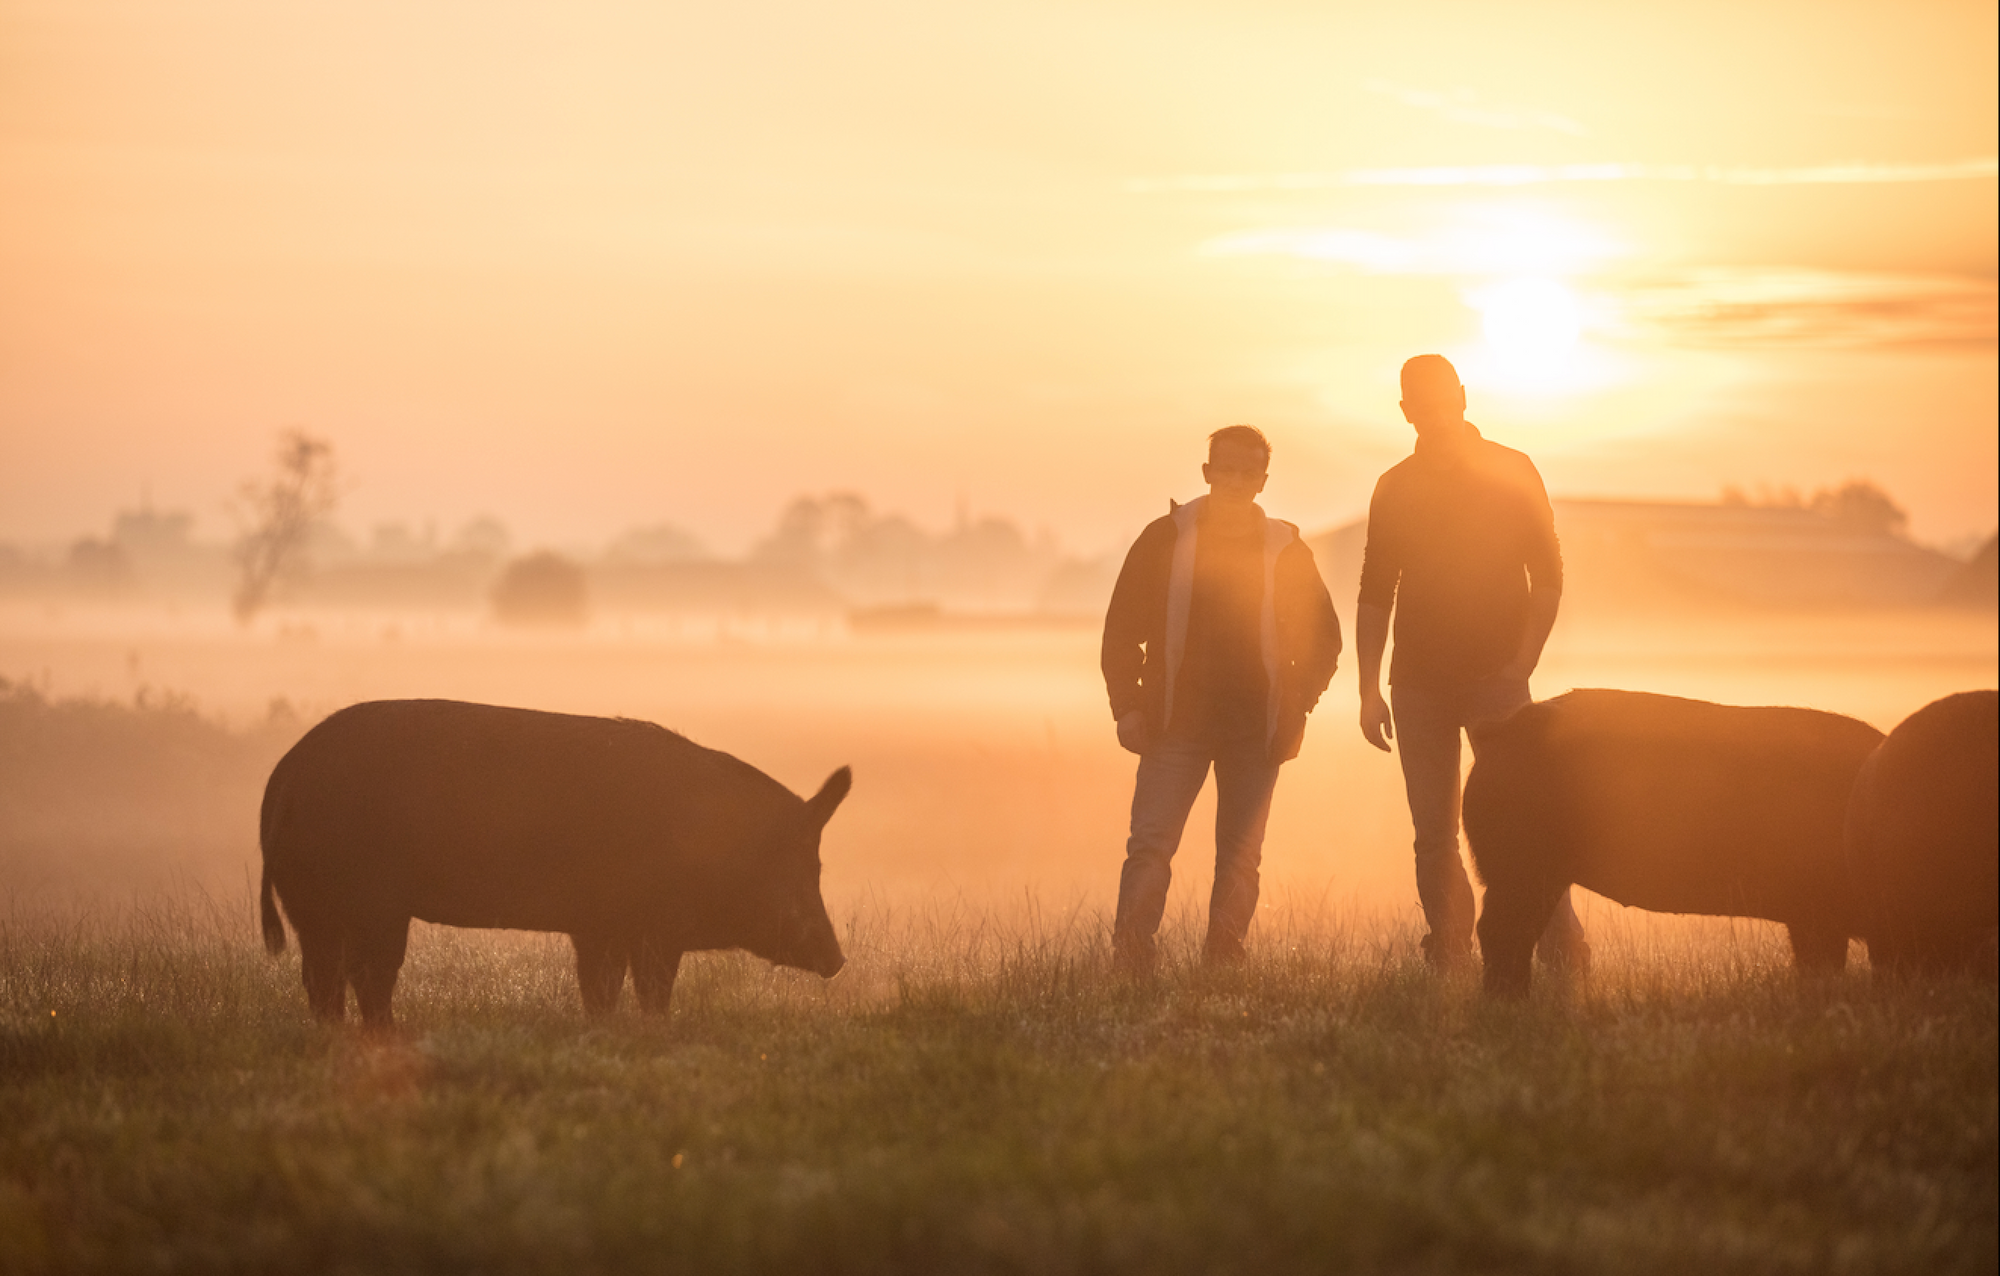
pixel 636 842
pixel 1674 805
pixel 1923 839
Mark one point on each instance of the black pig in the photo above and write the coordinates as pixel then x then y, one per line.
pixel 1923 838
pixel 1674 805
pixel 638 843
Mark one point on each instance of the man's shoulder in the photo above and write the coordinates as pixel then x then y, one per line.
pixel 1401 469
pixel 1154 537
pixel 1499 454
pixel 1161 528
pixel 1398 475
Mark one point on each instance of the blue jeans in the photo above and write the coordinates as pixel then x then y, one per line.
pixel 1170 776
pixel 1428 720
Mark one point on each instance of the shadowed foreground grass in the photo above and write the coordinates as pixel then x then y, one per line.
pixel 979 1094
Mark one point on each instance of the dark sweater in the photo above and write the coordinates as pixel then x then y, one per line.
pixel 1135 636
pixel 1223 687
pixel 1455 533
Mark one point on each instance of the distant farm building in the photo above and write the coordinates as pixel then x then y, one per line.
pixel 1640 555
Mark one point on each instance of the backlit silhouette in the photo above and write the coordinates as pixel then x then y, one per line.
pixel 1219 640
pixel 638 843
pixel 1658 802
pixel 1462 546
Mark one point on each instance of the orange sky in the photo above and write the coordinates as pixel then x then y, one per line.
pixel 589 266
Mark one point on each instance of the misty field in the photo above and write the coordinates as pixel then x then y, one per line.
pixel 979 1093
pixel 976 1092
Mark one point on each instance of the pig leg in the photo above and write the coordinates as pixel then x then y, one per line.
pixel 1514 916
pixel 654 965
pixel 326 982
pixel 600 971
pixel 1818 949
pixel 374 958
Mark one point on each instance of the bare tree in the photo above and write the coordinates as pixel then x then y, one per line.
pixel 278 516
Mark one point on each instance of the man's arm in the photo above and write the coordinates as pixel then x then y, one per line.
pixel 1317 651
pixel 1543 600
pixel 1122 656
pixel 1371 636
pixel 1381 571
pixel 1545 577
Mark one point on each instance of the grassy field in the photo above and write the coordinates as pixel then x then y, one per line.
pixel 978 1093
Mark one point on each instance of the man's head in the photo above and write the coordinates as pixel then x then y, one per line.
pixel 1239 458
pixel 1432 394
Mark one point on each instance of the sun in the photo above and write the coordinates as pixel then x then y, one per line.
pixel 1533 321
pixel 1533 340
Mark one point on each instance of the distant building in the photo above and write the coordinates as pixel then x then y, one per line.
pixel 1650 555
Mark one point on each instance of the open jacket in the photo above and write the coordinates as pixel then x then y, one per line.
pixel 1146 627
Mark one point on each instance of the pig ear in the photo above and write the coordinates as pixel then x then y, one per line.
pixel 821 806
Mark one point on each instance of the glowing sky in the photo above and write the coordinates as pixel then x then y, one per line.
pixel 589 266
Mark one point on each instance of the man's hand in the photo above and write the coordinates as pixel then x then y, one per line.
pixel 1377 727
pixel 1134 732
pixel 1285 747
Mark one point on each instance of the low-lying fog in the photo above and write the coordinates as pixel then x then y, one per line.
pixel 985 765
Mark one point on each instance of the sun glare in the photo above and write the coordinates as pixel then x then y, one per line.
pixel 1534 320
pixel 1532 340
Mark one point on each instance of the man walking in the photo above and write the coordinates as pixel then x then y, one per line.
pixel 1462 546
pixel 1219 640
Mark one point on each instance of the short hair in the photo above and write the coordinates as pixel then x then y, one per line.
pixel 1242 435
pixel 1428 374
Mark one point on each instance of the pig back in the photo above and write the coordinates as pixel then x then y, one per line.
pixel 476 815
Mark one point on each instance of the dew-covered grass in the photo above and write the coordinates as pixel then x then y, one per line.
pixel 979 1092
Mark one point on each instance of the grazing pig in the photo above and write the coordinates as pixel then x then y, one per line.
pixel 1675 805
pixel 638 843
pixel 1923 838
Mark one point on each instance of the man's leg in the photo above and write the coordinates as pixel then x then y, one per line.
pixel 1561 942
pixel 1170 775
pixel 1245 778
pixel 1427 722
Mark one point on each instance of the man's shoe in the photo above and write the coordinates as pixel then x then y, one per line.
pixel 1134 958
pixel 1222 950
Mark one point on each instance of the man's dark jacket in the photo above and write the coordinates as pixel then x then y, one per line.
pixel 1145 628
pixel 1456 532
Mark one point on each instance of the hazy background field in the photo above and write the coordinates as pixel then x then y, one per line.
pixel 986 772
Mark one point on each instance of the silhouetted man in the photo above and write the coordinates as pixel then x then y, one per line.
pixel 1219 640
pixel 1462 546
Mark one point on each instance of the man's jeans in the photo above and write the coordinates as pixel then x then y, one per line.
pixel 1170 775
pixel 1428 720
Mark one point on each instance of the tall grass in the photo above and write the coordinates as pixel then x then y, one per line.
pixel 978 1092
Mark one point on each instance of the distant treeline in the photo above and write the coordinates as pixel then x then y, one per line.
pixel 826 555
pixel 835 555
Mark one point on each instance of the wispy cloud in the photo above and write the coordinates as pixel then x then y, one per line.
pixel 1465 106
pixel 1491 242
pixel 1851 174
pixel 1736 308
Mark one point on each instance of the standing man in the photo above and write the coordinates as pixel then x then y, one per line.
pixel 1219 640
pixel 1462 546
